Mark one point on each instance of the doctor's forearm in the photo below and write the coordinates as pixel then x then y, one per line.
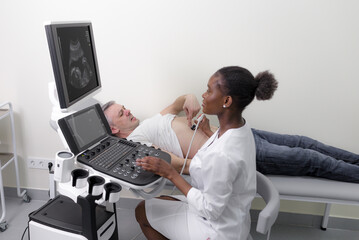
pixel 180 183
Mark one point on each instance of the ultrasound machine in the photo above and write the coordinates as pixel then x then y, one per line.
pixel 95 166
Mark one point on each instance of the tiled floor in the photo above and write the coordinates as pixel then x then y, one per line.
pixel 17 213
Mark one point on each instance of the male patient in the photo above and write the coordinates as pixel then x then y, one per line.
pixel 165 130
pixel 276 153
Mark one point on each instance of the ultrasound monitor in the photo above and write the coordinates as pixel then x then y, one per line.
pixel 74 61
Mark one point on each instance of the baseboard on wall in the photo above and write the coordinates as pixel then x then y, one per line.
pixel 34 194
pixel 284 218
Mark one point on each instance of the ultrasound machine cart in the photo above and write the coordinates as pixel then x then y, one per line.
pixel 95 166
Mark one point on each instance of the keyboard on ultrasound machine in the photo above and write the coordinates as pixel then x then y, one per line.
pixel 117 157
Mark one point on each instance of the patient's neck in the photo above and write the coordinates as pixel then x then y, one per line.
pixel 123 134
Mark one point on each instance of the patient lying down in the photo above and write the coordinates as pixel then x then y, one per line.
pixel 277 154
pixel 166 130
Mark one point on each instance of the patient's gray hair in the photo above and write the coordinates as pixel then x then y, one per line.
pixel 105 107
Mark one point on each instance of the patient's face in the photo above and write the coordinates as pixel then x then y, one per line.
pixel 122 118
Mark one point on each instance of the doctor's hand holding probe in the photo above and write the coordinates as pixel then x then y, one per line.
pixel 223 172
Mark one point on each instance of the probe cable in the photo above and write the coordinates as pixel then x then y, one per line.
pixel 189 148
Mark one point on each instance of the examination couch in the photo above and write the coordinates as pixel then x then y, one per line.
pixel 311 189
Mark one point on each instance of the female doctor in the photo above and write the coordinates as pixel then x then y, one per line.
pixel 216 205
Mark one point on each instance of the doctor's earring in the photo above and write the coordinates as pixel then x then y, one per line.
pixel 224 106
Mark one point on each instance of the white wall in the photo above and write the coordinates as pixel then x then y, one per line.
pixel 149 52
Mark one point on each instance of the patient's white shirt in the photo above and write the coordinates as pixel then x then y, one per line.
pixel 157 131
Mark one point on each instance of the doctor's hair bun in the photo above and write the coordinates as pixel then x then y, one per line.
pixel 267 85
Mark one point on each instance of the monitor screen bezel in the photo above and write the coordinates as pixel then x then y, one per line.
pixel 57 64
pixel 67 130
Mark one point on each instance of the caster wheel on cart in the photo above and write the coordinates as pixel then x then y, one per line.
pixel 26 198
pixel 3 226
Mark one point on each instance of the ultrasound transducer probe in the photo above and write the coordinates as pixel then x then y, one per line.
pixel 198 121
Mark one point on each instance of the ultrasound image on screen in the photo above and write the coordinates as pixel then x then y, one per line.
pixel 87 128
pixel 77 60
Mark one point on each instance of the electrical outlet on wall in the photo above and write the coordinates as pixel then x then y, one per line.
pixel 39 163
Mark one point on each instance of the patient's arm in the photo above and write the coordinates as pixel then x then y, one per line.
pixel 187 103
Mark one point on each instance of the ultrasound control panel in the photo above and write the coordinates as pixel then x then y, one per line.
pixel 117 157
pixel 88 136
